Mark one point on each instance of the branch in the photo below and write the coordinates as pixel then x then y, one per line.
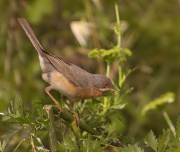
pixel 51 128
pixel 67 116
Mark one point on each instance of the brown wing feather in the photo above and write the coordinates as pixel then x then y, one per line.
pixel 62 67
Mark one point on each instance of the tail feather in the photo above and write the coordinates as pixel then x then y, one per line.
pixel 45 64
pixel 31 35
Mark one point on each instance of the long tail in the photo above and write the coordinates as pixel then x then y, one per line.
pixel 31 35
pixel 45 63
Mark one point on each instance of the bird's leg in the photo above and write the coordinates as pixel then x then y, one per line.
pixel 47 90
pixel 75 113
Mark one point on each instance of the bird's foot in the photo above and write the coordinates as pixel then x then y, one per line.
pixel 60 110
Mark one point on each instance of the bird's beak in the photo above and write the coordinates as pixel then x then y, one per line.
pixel 115 90
pixel 109 90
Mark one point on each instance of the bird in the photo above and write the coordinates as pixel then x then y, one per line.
pixel 68 79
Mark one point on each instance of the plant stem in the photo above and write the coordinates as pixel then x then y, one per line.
pixel 51 127
pixel 21 143
pixel 118 24
pixel 106 103
pixel 108 69
pixel 120 76
pixel 83 106
pixel 168 120
pixel 70 118
pixel 76 132
pixel 119 40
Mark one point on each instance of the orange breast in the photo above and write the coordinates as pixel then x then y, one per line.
pixel 87 94
pixel 60 83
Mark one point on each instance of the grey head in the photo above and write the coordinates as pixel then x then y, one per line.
pixel 104 84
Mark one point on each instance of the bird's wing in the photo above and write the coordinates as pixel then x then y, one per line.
pixel 63 67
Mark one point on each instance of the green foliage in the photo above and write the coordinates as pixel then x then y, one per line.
pixel 20 118
pixel 163 141
pixel 88 144
pixel 106 122
pixel 116 53
pixel 15 127
pixel 93 145
pixel 2 145
pixel 176 139
pixel 23 119
pixel 130 148
pixel 151 140
pixel 30 120
pixel 123 76
pixel 159 103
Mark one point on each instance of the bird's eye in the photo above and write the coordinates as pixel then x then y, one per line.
pixel 106 84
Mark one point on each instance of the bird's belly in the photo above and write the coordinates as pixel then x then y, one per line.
pixel 60 83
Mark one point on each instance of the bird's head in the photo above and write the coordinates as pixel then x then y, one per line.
pixel 104 84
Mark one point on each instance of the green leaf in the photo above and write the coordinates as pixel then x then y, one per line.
pixel 122 59
pixel 163 141
pixel 128 91
pixel 71 144
pixel 14 128
pixel 108 94
pixel 92 145
pixel 61 147
pixel 95 101
pixel 11 115
pixel 15 111
pixel 95 121
pixel 93 53
pixel 2 145
pixel 159 103
pixel 130 148
pixel 18 106
pixel 110 55
pixel 118 106
pixel 123 75
pixel 43 102
pixel 107 55
pixel 178 128
pixel 112 128
pixel 127 51
pixel 176 139
pixel 68 145
pixel 151 140
pixel 124 52
pixel 5 118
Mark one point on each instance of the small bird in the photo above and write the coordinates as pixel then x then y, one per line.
pixel 67 78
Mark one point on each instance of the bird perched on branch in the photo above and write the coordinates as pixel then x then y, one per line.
pixel 67 78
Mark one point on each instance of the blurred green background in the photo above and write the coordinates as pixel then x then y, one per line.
pixel 150 29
